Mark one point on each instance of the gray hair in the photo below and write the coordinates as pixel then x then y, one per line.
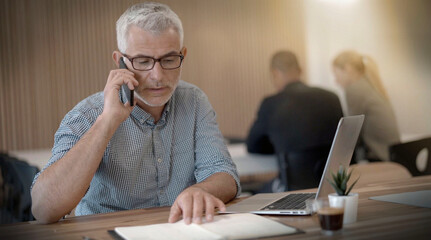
pixel 149 16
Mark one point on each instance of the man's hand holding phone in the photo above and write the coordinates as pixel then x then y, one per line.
pixel 113 108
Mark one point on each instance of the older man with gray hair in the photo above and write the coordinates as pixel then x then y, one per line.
pixel 165 149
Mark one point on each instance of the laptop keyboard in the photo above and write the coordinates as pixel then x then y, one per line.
pixel 291 201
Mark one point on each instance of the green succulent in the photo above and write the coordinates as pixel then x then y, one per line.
pixel 339 181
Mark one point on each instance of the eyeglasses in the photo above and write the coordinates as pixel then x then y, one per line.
pixel 147 63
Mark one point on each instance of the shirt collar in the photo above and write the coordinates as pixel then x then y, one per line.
pixel 293 84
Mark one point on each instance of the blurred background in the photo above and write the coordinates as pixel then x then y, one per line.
pixel 54 53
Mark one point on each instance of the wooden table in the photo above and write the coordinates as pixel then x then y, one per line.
pixel 376 219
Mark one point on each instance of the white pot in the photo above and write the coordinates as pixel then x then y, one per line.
pixel 350 206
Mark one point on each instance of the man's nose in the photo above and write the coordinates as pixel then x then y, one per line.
pixel 157 71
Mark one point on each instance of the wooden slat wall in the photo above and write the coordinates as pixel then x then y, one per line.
pixel 54 53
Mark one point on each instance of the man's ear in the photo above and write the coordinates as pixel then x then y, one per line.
pixel 116 55
pixel 273 73
pixel 184 51
pixel 277 74
pixel 277 79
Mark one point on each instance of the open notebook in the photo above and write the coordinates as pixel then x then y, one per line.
pixel 231 226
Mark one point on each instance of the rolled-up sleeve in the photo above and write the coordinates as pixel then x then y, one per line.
pixel 73 126
pixel 211 151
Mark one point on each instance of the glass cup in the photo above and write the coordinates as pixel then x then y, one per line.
pixel 330 214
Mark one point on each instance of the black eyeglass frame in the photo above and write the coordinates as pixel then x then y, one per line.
pixel 155 61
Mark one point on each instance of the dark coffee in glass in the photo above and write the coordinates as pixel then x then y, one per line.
pixel 331 218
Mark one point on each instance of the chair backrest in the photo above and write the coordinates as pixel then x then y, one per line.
pixel 15 202
pixel 377 172
pixel 302 170
pixel 414 155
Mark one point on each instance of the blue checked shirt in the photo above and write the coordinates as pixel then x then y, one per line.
pixel 147 164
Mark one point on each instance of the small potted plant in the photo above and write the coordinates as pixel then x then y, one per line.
pixel 339 182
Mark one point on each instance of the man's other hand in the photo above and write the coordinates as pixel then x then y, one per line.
pixel 193 203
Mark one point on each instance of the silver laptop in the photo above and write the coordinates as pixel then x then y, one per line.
pixel 285 203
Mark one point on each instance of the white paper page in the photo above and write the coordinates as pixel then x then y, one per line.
pixel 229 226
pixel 167 231
pixel 246 226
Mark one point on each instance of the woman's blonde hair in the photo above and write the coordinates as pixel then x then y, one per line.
pixel 364 65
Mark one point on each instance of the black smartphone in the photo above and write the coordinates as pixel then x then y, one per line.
pixel 129 93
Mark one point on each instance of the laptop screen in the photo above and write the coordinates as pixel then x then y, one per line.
pixel 341 152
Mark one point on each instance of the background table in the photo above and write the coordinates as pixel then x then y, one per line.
pixel 254 169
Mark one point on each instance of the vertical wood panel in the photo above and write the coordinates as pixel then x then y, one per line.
pixel 55 53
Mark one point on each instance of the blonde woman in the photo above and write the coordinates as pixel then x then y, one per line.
pixel 365 94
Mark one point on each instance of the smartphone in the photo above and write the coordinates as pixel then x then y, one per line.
pixel 129 93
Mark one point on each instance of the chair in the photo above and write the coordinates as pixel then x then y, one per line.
pixel 302 170
pixel 414 155
pixel 16 179
pixel 377 172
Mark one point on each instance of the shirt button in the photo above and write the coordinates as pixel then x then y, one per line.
pixel 159 160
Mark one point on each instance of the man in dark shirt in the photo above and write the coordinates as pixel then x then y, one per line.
pixel 298 118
